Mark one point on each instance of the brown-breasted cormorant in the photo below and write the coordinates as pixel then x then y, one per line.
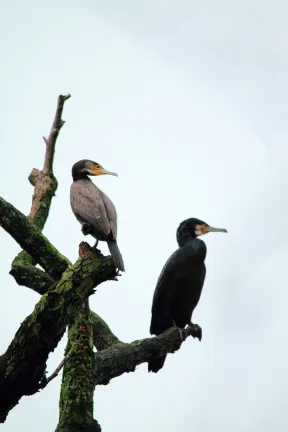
pixel 180 283
pixel 93 209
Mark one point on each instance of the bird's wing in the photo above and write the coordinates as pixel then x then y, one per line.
pixel 167 275
pixel 111 213
pixel 161 318
pixel 87 203
pixel 175 269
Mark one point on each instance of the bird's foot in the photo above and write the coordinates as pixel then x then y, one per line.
pixel 44 380
pixel 194 330
pixel 86 229
pixel 117 275
pixel 181 332
pixel 94 248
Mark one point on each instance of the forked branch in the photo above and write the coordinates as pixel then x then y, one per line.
pixel 23 365
pixel 45 185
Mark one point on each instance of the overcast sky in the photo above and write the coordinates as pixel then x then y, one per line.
pixel 187 101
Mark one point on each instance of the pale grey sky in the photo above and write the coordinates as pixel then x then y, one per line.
pixel 187 101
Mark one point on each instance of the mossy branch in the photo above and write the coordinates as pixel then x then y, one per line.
pixel 121 357
pixel 23 365
pixel 32 277
pixel 102 335
pixel 30 238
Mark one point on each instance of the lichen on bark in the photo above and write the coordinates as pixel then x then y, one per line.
pixel 23 365
pixel 30 238
pixel 78 382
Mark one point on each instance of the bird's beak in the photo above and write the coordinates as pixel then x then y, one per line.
pixel 102 171
pixel 205 229
pixel 208 229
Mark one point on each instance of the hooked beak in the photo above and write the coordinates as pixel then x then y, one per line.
pixel 102 171
pixel 211 229
pixel 205 229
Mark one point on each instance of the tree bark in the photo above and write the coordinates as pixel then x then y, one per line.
pixel 78 382
pixel 124 357
pixel 23 365
pixel 30 238
pixel 45 186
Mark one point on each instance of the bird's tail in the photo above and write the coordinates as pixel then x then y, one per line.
pixel 116 255
pixel 156 363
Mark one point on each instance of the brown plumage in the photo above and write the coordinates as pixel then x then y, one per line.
pixel 93 209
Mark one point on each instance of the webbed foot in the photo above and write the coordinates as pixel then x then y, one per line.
pixel 195 330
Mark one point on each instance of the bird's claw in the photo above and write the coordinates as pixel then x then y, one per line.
pixel 43 381
pixel 94 248
pixel 117 275
pixel 182 334
pixel 195 330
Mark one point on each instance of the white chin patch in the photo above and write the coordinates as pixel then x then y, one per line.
pixel 198 232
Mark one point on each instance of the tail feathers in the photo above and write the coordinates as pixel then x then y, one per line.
pixel 116 255
pixel 156 363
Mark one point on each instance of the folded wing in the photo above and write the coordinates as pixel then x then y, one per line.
pixel 91 205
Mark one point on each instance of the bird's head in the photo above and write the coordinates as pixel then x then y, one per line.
pixel 191 228
pixel 86 167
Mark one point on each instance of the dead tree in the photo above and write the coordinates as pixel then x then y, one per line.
pixel 64 289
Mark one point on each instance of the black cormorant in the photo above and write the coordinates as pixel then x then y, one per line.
pixel 93 209
pixel 180 283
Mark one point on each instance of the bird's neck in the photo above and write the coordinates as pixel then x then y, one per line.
pixel 80 176
pixel 197 244
pixel 185 240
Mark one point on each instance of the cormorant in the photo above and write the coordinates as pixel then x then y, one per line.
pixel 93 209
pixel 180 283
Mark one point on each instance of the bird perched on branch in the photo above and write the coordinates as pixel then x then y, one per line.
pixel 180 283
pixel 93 209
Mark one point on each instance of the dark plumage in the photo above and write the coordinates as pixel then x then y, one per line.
pixel 93 209
pixel 180 283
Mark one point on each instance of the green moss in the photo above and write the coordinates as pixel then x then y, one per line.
pixel 37 329
pixel 30 238
pixel 78 382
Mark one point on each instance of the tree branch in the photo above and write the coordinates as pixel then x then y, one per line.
pixel 30 276
pixel 102 335
pixel 120 358
pixel 22 366
pixel 28 236
pixel 54 132
pixel 58 369
pixel 45 185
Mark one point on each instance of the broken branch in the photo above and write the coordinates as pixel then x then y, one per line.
pixel 54 132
